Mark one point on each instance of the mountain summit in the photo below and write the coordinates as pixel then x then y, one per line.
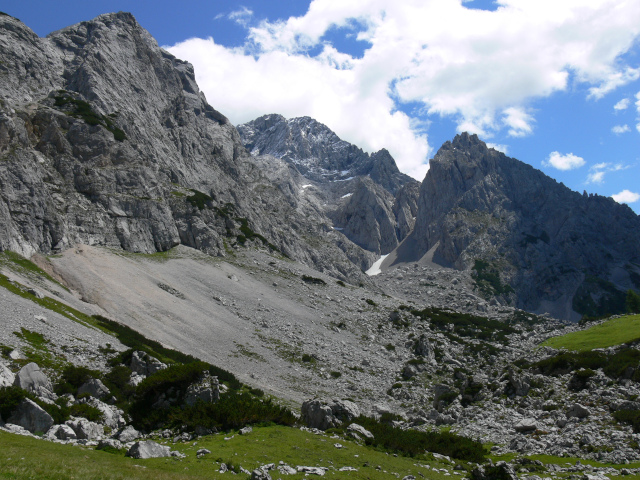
pixel 549 249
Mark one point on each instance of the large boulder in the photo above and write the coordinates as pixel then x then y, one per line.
pixel 113 417
pixel 578 411
pixel 318 414
pixel 84 429
pixel 443 395
pixel 518 384
pixel 62 432
pixel 424 349
pixel 500 471
pixel 148 449
pixel 6 376
pixel 144 364
pixel 31 379
pixel 128 434
pixel 95 388
pixel 30 416
pixel 206 389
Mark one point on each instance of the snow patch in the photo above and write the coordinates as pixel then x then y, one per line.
pixel 305 186
pixel 347 195
pixel 375 268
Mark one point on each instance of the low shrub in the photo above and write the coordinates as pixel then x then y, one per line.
pixel 313 280
pixel 631 417
pixel 72 378
pixel 87 411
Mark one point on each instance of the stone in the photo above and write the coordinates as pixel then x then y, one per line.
pixel 578 411
pixel 259 474
pixel 144 364
pixel 85 429
pixel 148 449
pixel 203 451
pixel 108 443
pixel 128 434
pixel 316 414
pixel 526 425
pixel 62 432
pixel 31 416
pixel 501 470
pixel 206 390
pixel 443 395
pixel 246 430
pixel 95 388
pixel 6 376
pixel 312 470
pixel 520 383
pixel 31 379
pixel 360 430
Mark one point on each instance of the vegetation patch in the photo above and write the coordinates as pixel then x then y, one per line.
pixel 610 333
pixel 597 297
pixel 465 324
pixel 631 417
pixel 613 365
pixel 313 280
pixel 487 278
pixel 81 109
pixel 199 199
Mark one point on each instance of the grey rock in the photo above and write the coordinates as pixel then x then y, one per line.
pixel 95 388
pixel 202 452
pixel 360 430
pixel 128 434
pixel 206 389
pixel 526 425
pixel 31 379
pixel 519 383
pixel 259 474
pixel 316 414
pixel 148 449
pixel 6 376
pixel 109 443
pixel 30 416
pixel 245 431
pixel 312 470
pixel 144 364
pixel 443 395
pixel 62 432
pixel 578 411
pixel 85 429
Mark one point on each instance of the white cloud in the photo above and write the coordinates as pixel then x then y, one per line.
pixel 564 162
pixel 499 147
pixel 622 104
pixel 620 129
pixel 599 170
pixel 241 16
pixel 481 68
pixel 626 196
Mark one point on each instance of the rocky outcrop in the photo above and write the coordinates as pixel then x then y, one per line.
pixel 148 449
pixel 321 415
pixel 31 379
pixel 105 139
pixel 365 196
pixel 31 417
pixel 529 239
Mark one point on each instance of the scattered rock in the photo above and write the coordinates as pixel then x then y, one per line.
pixel 148 449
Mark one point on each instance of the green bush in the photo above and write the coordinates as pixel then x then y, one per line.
pixel 488 279
pixel 371 302
pixel 313 280
pixel 84 410
pixel 465 324
pixel 10 398
pixel 72 378
pixel 198 199
pixel 632 417
pixel 415 443
pixel 633 302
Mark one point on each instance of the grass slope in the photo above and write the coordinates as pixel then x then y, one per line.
pixel 24 457
pixel 612 332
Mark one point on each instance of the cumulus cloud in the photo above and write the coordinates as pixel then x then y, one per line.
pixel 620 129
pixel 622 104
pixel 477 67
pixel 626 196
pixel 499 147
pixel 568 161
pixel 599 170
pixel 241 16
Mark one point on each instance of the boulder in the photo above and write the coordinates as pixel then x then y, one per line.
pixel 30 416
pixel 206 390
pixel 148 449
pixel 443 395
pixel 62 432
pixel 260 474
pixel 360 430
pixel 85 429
pixel 144 364
pixel 31 379
pixel 501 470
pixel 578 411
pixel 128 434
pixel 6 376
pixel 95 388
pixel 526 425
pixel 424 349
pixel 245 431
pixel 108 443
pixel 113 417
pixel 318 414
pixel 519 384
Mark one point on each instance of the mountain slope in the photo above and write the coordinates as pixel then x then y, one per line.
pixel 105 139
pixel 368 199
pixel 563 253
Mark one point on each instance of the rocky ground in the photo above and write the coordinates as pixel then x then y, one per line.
pixel 298 334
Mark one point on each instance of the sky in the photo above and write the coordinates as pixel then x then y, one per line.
pixel 554 83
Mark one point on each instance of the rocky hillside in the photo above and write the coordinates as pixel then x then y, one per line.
pixel 367 198
pixel 528 239
pixel 105 139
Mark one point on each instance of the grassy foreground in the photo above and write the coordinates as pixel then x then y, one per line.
pixel 29 458
pixel 612 332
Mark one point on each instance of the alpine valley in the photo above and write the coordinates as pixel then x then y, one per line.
pixel 176 286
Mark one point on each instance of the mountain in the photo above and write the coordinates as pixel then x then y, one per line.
pixel 368 199
pixel 105 139
pixel 529 239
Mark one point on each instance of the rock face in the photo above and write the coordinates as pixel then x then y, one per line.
pixel 531 240
pixel 318 414
pixel 30 416
pixel 365 196
pixel 105 139
pixel 31 379
pixel 148 449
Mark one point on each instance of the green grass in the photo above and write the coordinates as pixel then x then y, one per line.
pixel 612 332
pixel 28 458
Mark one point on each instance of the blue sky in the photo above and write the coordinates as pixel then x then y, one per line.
pixel 554 84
